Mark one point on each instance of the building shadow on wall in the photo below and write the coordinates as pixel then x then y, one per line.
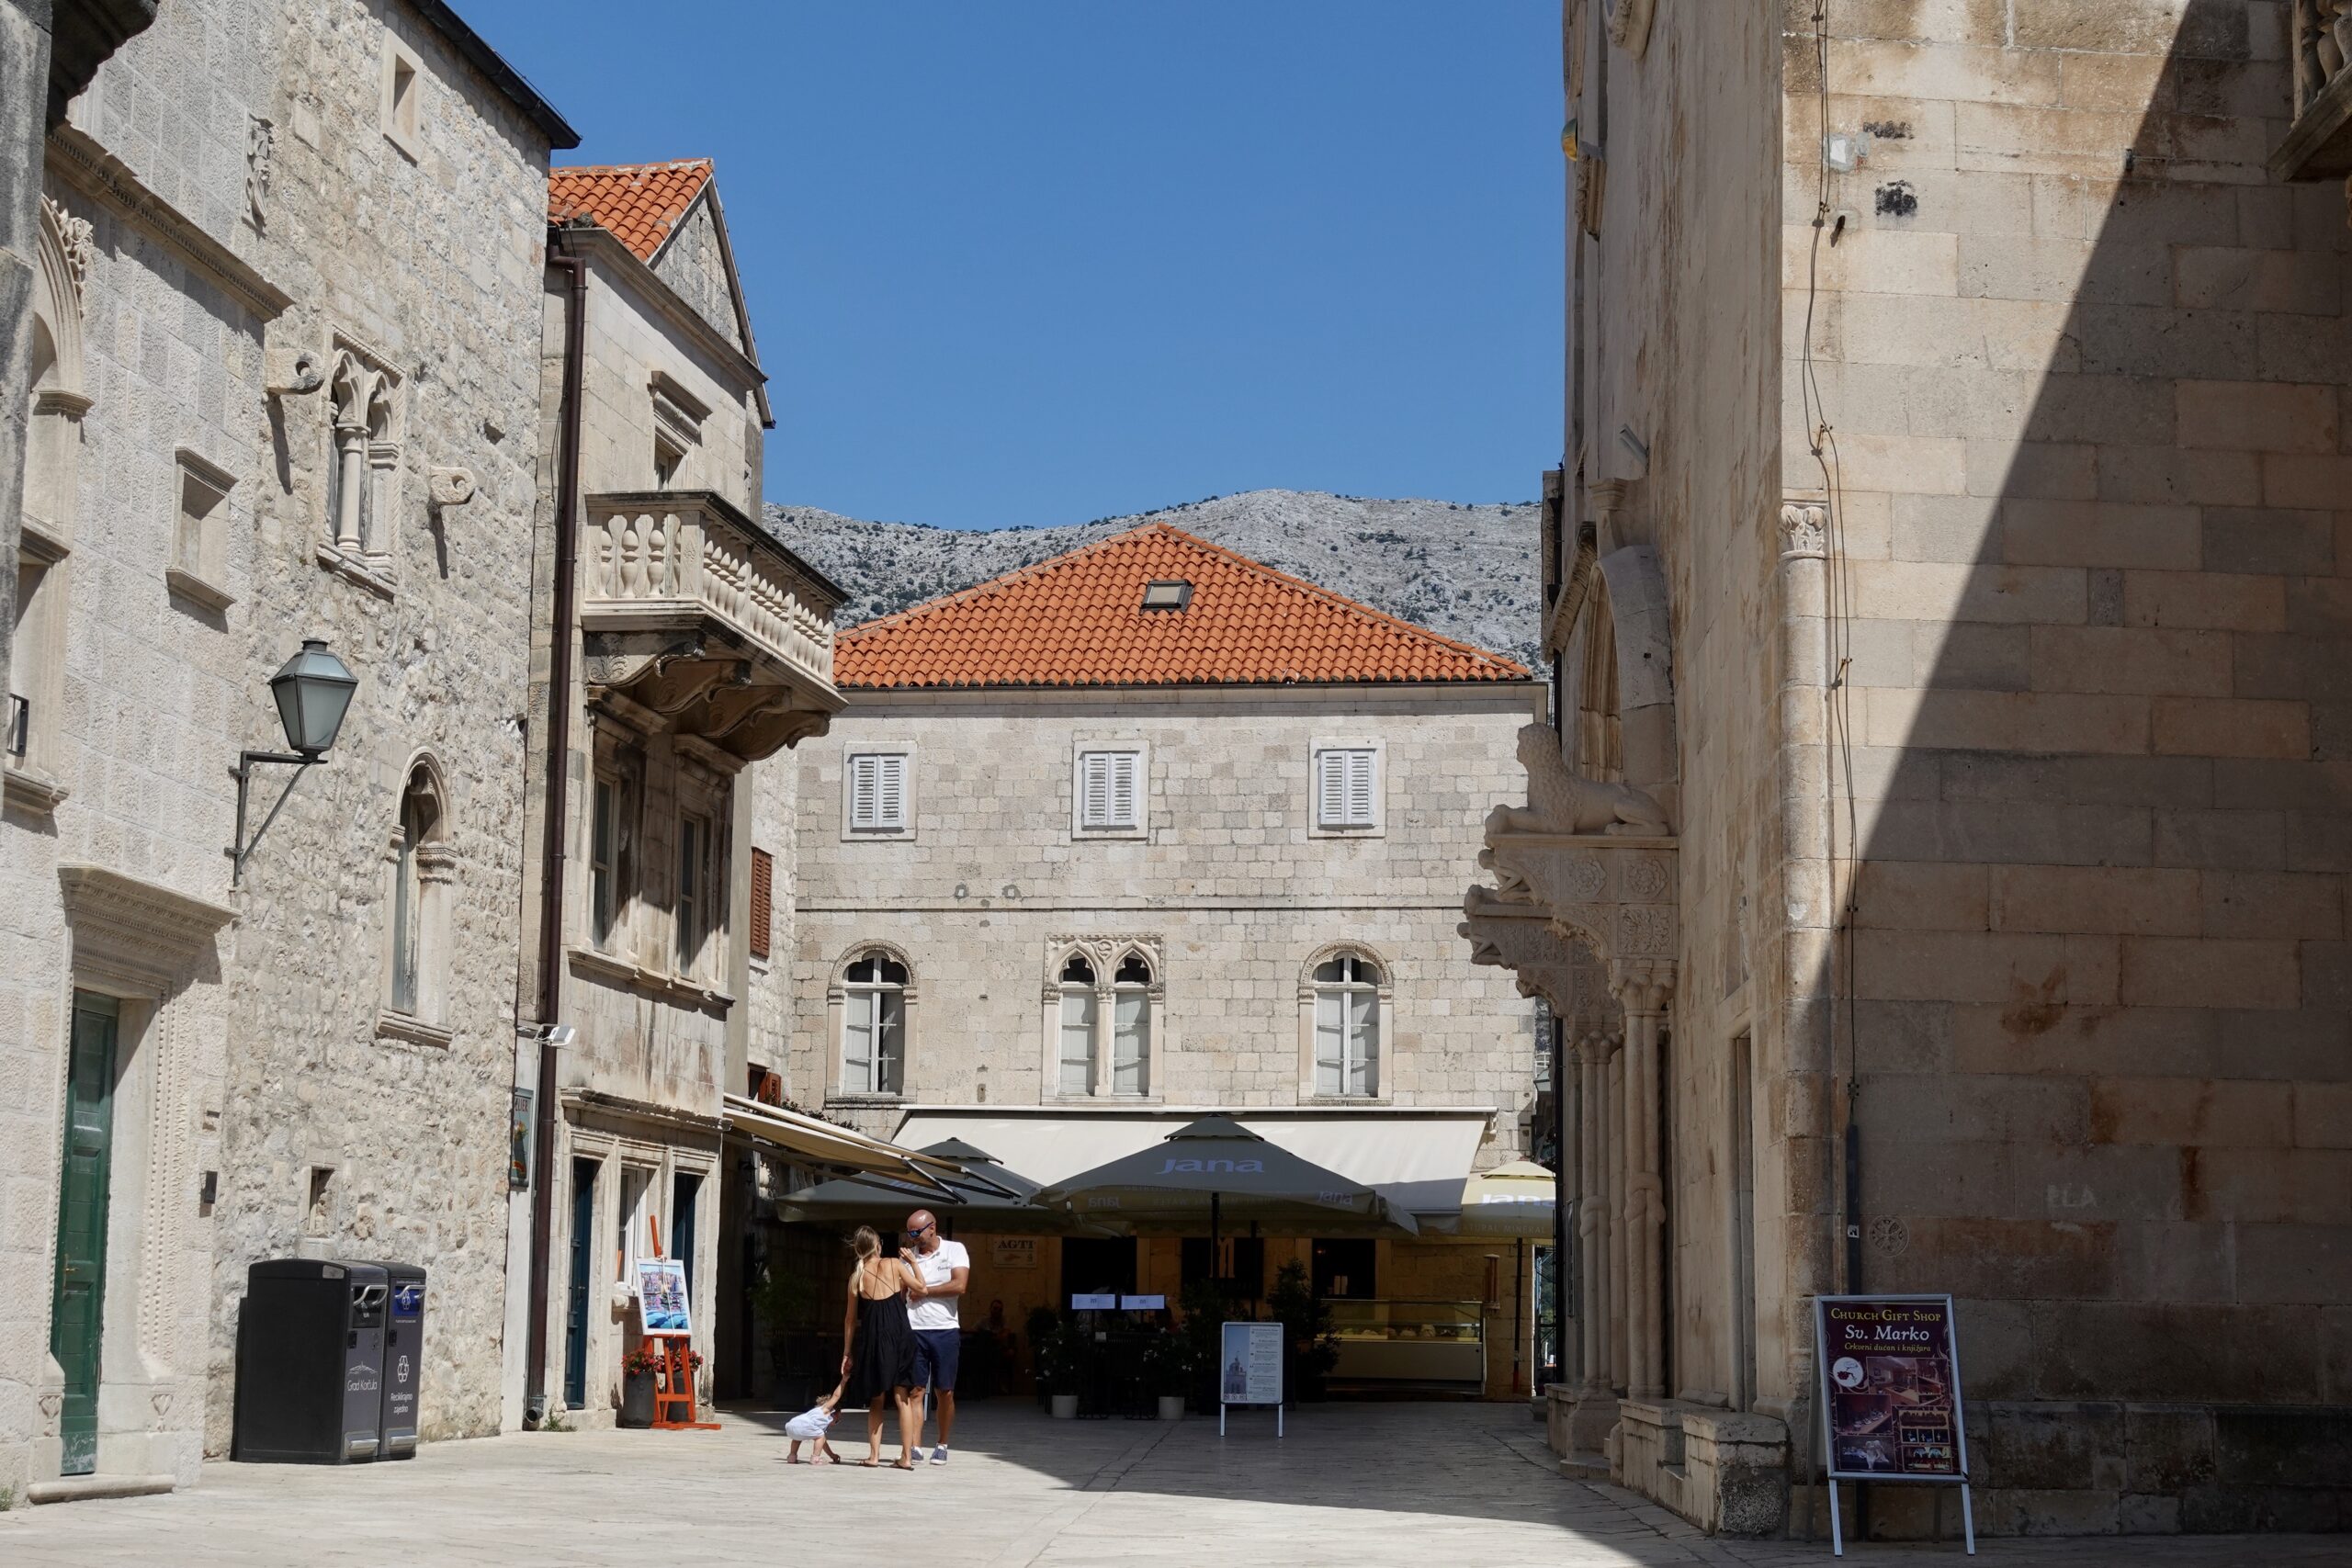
pixel 2103 801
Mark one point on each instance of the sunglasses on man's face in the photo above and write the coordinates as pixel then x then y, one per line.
pixel 917 1233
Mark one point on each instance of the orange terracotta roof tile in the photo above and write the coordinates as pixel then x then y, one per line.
pixel 638 202
pixel 1078 620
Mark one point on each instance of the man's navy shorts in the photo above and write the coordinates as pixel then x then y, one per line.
pixel 936 1353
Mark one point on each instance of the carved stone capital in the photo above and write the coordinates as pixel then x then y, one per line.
pixel 1804 530
pixel 1629 25
pixel 1643 986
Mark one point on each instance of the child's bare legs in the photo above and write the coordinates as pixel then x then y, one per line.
pixel 793 1455
pixel 910 1424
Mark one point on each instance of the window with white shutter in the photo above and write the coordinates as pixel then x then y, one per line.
pixel 1346 786
pixel 877 791
pixel 1110 790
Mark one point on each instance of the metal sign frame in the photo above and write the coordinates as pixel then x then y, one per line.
pixel 1821 1305
pixel 1251 1332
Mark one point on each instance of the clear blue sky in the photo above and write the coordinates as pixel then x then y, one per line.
pixel 1039 261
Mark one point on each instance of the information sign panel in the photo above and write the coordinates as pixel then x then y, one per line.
pixel 1090 1302
pixel 1249 1369
pixel 1889 1393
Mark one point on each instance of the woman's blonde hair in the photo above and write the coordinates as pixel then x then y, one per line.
pixel 864 1243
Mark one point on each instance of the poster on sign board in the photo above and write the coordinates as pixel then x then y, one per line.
pixel 1250 1364
pixel 662 1297
pixel 1890 1384
pixel 1014 1252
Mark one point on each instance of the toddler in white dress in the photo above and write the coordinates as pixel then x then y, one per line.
pixel 809 1426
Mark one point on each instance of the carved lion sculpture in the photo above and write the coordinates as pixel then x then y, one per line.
pixel 1560 802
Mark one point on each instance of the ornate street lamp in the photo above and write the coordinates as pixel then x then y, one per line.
pixel 312 691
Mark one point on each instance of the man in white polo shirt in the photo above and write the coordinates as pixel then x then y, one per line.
pixel 944 1269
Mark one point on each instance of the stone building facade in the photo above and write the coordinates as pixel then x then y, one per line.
pixel 1063 880
pixel 287 377
pixel 1949 557
pixel 698 647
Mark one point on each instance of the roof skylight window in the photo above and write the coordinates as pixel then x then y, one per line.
pixel 1161 594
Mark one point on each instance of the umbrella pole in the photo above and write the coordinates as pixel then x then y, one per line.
pixel 1216 1257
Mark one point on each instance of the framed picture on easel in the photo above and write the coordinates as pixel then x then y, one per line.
pixel 662 1309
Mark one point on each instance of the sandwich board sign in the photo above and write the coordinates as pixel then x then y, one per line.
pixel 1249 1369
pixel 1890 1396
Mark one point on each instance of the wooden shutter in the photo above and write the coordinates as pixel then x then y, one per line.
pixel 762 899
pixel 1358 788
pixel 1331 788
pixel 877 791
pixel 1126 788
pixel 863 810
pixel 1094 810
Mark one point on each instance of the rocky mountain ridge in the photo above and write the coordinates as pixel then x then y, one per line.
pixel 1467 571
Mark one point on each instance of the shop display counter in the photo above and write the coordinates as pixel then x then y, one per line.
pixel 1417 1344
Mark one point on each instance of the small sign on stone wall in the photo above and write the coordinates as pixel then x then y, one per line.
pixel 1014 1252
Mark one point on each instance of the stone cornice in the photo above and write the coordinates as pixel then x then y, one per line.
pixel 137 932
pixel 78 158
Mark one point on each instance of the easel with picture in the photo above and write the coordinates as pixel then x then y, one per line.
pixel 663 1317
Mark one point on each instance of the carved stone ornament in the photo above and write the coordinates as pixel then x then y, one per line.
pixel 1558 801
pixel 1103 950
pixel 142 936
pixel 1629 25
pixel 77 240
pixel 451 487
pixel 260 140
pixel 1546 967
pixel 1804 530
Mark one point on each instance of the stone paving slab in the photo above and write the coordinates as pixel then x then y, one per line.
pixel 1367 1486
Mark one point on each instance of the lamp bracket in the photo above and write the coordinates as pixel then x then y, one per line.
pixel 242 849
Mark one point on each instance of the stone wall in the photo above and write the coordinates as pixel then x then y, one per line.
pixel 2049 564
pixel 1228 884
pixel 426 260
pixel 137 683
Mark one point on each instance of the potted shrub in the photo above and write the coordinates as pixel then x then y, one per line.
pixel 1040 1325
pixel 1204 1308
pixel 640 1370
pixel 1061 1366
pixel 1168 1372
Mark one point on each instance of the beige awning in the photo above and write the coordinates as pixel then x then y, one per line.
pixel 1416 1160
pixel 806 1139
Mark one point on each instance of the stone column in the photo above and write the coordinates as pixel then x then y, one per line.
pixel 1613 1123
pixel 1598 1234
pixel 350 476
pixel 1642 987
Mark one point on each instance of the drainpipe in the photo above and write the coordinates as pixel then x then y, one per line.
pixel 551 880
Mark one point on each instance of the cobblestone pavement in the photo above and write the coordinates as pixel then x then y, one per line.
pixel 1369 1486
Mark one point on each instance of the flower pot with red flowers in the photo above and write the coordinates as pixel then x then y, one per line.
pixel 640 1374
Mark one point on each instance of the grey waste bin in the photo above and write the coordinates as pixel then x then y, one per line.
pixel 311 1362
pixel 403 1356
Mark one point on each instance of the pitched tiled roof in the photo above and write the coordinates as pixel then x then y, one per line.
pixel 1077 620
pixel 638 202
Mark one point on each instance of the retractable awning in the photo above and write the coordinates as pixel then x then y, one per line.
pixel 811 1142
pixel 1416 1160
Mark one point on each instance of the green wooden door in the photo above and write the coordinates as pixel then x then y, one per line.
pixel 78 1301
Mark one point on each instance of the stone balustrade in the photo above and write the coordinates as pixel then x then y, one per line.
pixel 700 616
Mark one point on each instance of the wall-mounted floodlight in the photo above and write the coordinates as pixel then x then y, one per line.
pixel 312 691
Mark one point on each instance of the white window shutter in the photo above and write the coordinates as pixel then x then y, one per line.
pixel 1331 788
pixel 1126 788
pixel 864 809
pixel 890 792
pixel 1330 1043
pixel 1359 782
pixel 857 1043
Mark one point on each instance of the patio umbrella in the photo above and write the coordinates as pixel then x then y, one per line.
pixel 1215 1167
pixel 1513 1200
pixel 982 1194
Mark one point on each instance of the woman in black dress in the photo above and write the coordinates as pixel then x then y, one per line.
pixel 878 1348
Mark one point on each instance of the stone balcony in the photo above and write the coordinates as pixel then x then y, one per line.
pixel 693 611
pixel 2318 144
